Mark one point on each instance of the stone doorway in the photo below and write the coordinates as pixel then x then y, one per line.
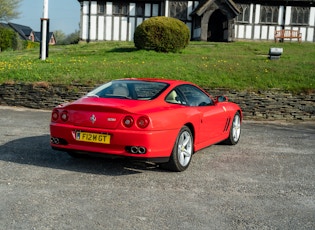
pixel 217 27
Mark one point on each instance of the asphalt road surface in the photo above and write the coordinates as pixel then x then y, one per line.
pixel 267 181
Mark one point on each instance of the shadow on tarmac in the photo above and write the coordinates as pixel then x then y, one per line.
pixel 36 151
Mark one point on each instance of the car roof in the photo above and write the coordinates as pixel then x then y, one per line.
pixel 172 82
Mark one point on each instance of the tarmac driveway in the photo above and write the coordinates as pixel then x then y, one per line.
pixel 267 181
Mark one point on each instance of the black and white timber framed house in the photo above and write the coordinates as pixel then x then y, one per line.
pixel 208 20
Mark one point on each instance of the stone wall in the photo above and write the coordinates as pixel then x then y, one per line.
pixel 267 105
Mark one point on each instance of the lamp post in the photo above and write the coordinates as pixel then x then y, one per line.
pixel 44 32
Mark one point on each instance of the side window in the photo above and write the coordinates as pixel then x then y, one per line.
pixel 174 98
pixel 194 96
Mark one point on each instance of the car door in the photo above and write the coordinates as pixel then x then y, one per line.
pixel 212 116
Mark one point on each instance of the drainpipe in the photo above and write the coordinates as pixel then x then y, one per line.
pixel 89 23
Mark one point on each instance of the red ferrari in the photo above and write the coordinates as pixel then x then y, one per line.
pixel 156 120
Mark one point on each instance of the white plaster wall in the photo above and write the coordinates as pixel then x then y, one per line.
pixel 256 32
pixel 288 15
pixel 108 28
pixel 310 34
pixel 93 28
pixel 264 32
pixel 93 7
pixel 101 27
pixel 257 14
pixel 241 31
pixel 84 30
pixel 124 29
pixel 248 32
pixel 312 16
pixel 116 29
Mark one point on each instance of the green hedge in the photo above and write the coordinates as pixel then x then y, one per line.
pixel 162 34
pixel 10 40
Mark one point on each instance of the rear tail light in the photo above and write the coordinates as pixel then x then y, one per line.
pixel 143 122
pixel 64 116
pixel 55 115
pixel 128 121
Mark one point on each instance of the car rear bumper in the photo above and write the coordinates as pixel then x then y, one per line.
pixel 124 143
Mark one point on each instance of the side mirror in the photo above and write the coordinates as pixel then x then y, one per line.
pixel 221 99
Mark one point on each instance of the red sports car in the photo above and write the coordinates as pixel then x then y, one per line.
pixel 156 120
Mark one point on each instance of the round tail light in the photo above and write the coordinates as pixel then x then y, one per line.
pixel 128 121
pixel 55 115
pixel 143 122
pixel 64 116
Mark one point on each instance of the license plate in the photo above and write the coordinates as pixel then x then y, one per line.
pixel 92 137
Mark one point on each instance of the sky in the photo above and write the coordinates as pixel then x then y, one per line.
pixel 63 15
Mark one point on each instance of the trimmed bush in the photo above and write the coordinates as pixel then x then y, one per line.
pixel 162 34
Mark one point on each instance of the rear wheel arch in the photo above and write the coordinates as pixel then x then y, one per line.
pixel 193 132
pixel 182 151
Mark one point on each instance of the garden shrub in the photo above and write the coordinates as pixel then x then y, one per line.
pixel 162 34
pixel 31 45
pixel 10 40
pixel 7 37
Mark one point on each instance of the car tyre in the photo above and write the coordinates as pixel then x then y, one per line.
pixel 235 130
pixel 182 151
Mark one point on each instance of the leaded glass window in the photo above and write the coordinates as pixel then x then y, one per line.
pixel 269 14
pixel 245 12
pixel 300 15
pixel 178 10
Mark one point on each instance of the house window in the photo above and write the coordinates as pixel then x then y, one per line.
pixel 269 14
pixel 101 8
pixel 244 15
pixel 140 7
pixel 300 15
pixel 178 10
pixel 120 8
pixel 197 22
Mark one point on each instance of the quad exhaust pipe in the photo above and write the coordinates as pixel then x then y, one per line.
pixel 58 141
pixel 138 150
pixel 54 140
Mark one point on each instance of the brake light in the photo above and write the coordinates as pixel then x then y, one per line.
pixel 143 122
pixel 55 115
pixel 64 116
pixel 128 121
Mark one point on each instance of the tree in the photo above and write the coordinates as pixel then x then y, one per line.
pixel 8 9
pixel 63 39
pixel 59 35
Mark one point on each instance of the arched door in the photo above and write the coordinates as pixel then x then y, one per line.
pixel 217 27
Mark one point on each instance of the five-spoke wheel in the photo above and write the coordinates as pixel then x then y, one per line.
pixel 182 151
pixel 235 130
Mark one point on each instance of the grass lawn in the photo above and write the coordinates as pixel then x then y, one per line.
pixel 237 65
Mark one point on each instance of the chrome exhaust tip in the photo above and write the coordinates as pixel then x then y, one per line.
pixel 136 149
